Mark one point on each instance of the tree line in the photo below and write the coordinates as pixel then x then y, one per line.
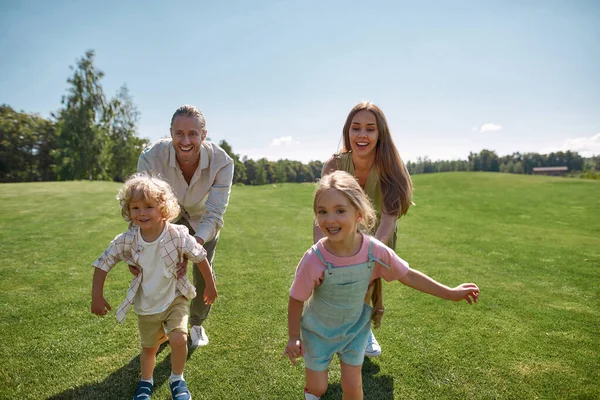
pixel 516 163
pixel 94 137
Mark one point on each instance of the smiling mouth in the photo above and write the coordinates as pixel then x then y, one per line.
pixel 186 149
pixel 334 230
pixel 362 145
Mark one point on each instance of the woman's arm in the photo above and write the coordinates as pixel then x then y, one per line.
pixel 386 227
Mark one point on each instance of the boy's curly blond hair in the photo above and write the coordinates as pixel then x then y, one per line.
pixel 152 189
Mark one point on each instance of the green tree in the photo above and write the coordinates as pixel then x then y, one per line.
pixel 124 147
pixel 239 169
pixel 82 129
pixel 26 141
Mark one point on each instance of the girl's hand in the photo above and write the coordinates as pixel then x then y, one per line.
pixel 99 305
pixel 293 349
pixel 210 294
pixel 467 291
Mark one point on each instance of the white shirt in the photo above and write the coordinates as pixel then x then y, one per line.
pixel 158 288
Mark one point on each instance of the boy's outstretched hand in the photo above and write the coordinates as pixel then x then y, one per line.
pixel 467 291
pixel 100 306
pixel 293 349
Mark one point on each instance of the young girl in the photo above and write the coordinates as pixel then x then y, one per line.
pixel 369 154
pixel 334 276
pixel 159 298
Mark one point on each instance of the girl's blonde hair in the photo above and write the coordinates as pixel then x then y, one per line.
pixel 152 189
pixel 396 185
pixel 347 185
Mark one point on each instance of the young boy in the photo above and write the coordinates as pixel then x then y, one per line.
pixel 159 298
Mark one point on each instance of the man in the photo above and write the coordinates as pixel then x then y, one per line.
pixel 200 174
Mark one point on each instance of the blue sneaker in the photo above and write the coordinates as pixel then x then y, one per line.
pixel 179 391
pixel 143 391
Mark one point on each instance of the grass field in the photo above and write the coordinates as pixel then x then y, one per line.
pixel 531 243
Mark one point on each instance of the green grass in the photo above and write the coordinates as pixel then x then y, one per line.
pixel 531 243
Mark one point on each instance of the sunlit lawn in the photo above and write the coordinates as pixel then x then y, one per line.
pixel 532 244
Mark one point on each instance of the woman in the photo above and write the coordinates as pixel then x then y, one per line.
pixel 369 154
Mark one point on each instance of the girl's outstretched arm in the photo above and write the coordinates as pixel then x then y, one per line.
pixel 294 347
pixel 418 280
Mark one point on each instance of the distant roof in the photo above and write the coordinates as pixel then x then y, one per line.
pixel 549 169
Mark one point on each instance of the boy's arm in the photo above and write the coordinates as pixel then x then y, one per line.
pixel 423 283
pixel 210 291
pixel 99 304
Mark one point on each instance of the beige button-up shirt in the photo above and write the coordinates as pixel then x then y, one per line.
pixel 176 243
pixel 204 201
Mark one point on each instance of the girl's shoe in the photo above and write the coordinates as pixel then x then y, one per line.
pixel 179 391
pixel 143 391
pixel 310 396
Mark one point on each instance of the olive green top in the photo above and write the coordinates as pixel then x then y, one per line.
pixel 372 189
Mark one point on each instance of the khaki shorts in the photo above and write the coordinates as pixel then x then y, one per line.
pixel 155 328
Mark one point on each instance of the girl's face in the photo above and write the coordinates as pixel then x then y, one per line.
pixel 363 133
pixel 147 215
pixel 337 217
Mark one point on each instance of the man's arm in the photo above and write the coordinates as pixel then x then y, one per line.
pixel 144 164
pixel 216 204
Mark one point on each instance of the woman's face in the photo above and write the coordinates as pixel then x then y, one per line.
pixel 364 133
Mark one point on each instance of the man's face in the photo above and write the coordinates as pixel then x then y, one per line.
pixel 187 135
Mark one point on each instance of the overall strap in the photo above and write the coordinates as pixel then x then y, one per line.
pixel 327 264
pixel 373 259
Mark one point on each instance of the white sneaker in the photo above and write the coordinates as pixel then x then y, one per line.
pixel 310 396
pixel 373 348
pixel 198 336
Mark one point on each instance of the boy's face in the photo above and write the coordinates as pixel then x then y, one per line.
pixel 146 215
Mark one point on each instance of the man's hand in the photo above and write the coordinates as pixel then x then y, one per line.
pixel 182 268
pixel 134 270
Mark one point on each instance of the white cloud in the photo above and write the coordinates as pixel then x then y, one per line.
pixel 490 127
pixel 284 141
pixel 585 146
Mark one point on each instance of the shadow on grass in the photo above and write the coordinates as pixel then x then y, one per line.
pixel 121 384
pixel 374 387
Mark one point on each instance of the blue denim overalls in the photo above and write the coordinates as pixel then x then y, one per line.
pixel 336 318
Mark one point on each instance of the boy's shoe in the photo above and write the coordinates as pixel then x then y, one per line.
pixel 179 391
pixel 373 348
pixel 198 336
pixel 143 391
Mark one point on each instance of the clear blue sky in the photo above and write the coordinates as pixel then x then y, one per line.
pixel 276 79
